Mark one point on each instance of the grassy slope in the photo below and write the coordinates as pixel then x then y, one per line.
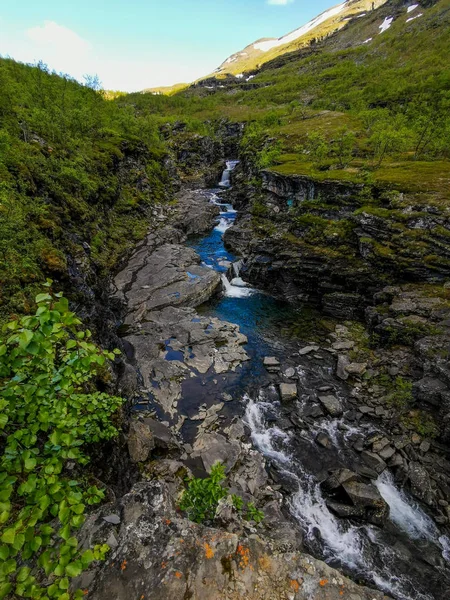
pixel 74 170
pixel 399 82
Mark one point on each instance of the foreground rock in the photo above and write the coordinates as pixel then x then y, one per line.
pixel 159 555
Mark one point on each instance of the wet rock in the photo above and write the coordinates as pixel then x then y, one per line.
pixel 140 441
pixel 424 446
pixel 290 373
pixel 113 519
pixel 420 482
pixel 332 405
pixel 288 391
pixel 374 461
pixel 346 511
pixel 368 497
pixel 324 440
pixel 337 478
pixel 387 452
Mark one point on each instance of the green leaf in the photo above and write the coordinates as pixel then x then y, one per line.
pixel 30 463
pixel 9 536
pixel 5 589
pixel 74 569
pixel 42 298
pixel 22 574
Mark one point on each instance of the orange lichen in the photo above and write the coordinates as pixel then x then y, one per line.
pixel 323 582
pixel 163 565
pixel 168 521
pixel 123 566
pixel 295 585
pixel 209 552
pixel 178 575
pixel 264 562
pixel 244 553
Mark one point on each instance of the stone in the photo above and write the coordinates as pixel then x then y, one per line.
pixel 356 368
pixel 424 446
pixel 290 373
pixel 420 482
pixel 308 350
pixel 140 441
pixel 342 363
pixel 387 452
pixel 113 519
pixel 429 390
pixel 343 345
pixel 323 440
pixel 288 391
pixel 416 439
pixel 272 364
pixel 368 497
pixel 346 511
pixel 213 448
pixel 332 405
pixel 379 444
pixel 337 478
pixel 162 435
pixel 373 461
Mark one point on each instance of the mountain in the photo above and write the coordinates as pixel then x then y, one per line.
pixel 266 49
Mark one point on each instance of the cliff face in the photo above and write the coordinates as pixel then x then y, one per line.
pixel 324 240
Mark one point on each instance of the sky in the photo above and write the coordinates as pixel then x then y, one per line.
pixel 135 44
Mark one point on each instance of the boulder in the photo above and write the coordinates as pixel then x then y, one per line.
pixel 368 497
pixel 342 363
pixel 140 441
pixel 324 440
pixel 213 448
pixel 332 405
pixel 356 368
pixel 373 461
pixel 162 435
pixel 337 479
pixel 420 482
pixel 272 364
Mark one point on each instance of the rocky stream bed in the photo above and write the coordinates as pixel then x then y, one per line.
pixel 303 431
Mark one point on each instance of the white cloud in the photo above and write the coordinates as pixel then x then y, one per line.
pixel 64 50
pixel 280 2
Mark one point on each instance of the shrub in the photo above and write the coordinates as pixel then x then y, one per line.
pixel 202 496
pixel 50 409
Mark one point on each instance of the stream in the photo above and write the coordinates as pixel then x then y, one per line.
pixel 407 558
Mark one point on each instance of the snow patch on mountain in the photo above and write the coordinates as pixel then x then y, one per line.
pixel 265 46
pixel 386 24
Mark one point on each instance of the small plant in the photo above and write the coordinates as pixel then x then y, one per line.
pixel 253 514
pixel 202 496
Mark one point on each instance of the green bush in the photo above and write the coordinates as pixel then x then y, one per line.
pixel 202 496
pixel 50 409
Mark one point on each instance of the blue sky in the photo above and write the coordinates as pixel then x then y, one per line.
pixel 142 43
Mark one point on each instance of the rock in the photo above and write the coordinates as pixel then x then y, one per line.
pixel 272 364
pixel 113 519
pixel 162 555
pixel 332 405
pixel 346 511
pixel 356 368
pixel 424 446
pixel 420 482
pixel 140 441
pixel 213 448
pixel 308 350
pixel 337 478
pixel 342 363
pixel 429 390
pixel 368 496
pixel 323 440
pixel 343 345
pixel 162 435
pixel 379 444
pixel 416 439
pixel 387 452
pixel 374 461
pixel 290 373
pixel 288 391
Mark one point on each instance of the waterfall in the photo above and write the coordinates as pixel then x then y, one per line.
pixel 358 547
pixel 235 291
pixel 226 175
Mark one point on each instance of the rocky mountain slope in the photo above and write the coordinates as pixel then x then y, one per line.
pixel 263 50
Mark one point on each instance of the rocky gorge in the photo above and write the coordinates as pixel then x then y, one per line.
pixel 309 430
